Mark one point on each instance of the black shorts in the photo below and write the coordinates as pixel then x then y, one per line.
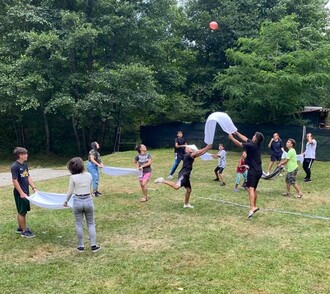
pixel 219 169
pixel 184 181
pixel 275 157
pixel 22 204
pixel 253 178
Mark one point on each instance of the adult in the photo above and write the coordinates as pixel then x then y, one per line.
pixel 83 206
pixel 21 180
pixel 93 165
pixel 276 146
pixel 309 156
pixel 184 173
pixel 179 150
pixel 142 162
pixel 253 160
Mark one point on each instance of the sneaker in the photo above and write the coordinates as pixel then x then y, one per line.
pixel 187 206
pixel 236 190
pixel 307 180
pixel 281 175
pixel 27 234
pixel 159 180
pixel 95 248
pixel 223 184
pixel 170 177
pixel 19 231
pixel 95 194
pixel 98 193
pixel 80 249
pixel 216 180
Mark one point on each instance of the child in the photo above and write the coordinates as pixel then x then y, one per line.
pixel 241 170
pixel 292 168
pixel 21 181
pixel 93 164
pixel 143 162
pixel 83 206
pixel 179 150
pixel 184 174
pixel 221 164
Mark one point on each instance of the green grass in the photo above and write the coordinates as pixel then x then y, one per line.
pixel 158 247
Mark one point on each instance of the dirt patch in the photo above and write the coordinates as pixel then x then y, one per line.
pixel 38 174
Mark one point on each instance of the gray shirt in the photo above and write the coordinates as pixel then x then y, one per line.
pixel 79 184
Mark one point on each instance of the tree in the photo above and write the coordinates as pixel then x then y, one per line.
pixel 275 74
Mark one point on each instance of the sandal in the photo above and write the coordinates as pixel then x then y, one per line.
pixel 143 199
pixel 299 195
pixel 286 194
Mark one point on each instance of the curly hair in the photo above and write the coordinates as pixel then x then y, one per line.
pixel 76 165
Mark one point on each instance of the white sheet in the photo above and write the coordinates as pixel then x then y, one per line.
pixel 205 156
pixel 223 120
pixel 119 171
pixel 49 200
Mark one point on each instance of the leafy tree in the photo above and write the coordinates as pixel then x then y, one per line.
pixel 275 74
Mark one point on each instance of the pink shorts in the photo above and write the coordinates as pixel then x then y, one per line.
pixel 145 177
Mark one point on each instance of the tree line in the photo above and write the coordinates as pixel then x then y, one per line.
pixel 74 71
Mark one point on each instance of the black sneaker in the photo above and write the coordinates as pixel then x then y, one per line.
pixel 223 184
pixel 80 249
pixel 216 180
pixel 95 248
pixel 95 194
pixel 27 234
pixel 307 180
pixel 19 231
pixel 98 193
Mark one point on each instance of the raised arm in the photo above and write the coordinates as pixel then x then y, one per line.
pixel 235 141
pixel 242 137
pixel 201 151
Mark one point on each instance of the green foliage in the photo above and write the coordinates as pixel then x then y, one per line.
pixel 275 74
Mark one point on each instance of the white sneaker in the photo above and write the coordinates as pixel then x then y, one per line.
pixel 170 177
pixel 187 206
pixel 159 180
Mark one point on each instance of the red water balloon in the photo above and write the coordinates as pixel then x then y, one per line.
pixel 213 25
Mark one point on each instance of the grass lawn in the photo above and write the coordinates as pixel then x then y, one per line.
pixel 159 247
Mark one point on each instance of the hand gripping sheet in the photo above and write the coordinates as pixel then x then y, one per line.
pixel 223 120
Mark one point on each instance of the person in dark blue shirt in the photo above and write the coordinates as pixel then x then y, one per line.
pixel 179 151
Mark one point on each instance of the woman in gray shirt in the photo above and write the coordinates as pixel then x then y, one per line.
pixel 80 185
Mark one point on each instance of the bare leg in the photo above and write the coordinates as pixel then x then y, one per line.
pixel 21 219
pixel 252 198
pixel 221 178
pixel 270 166
pixel 297 189
pixel 187 196
pixel 287 187
pixel 171 184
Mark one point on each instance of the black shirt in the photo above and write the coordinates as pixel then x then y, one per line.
pixel 187 165
pixel 181 150
pixel 20 172
pixel 253 158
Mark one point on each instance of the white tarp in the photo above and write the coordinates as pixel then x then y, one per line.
pixel 223 120
pixel 49 200
pixel 119 171
pixel 300 157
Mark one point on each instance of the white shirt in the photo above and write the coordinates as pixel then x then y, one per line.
pixel 310 149
pixel 79 184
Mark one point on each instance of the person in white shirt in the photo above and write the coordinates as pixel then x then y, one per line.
pixel 309 156
pixel 80 185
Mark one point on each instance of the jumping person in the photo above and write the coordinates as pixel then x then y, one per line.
pixel 21 180
pixel 142 162
pixel 93 164
pixel 253 160
pixel 184 173
pixel 276 150
pixel 179 150
pixel 83 206
pixel 292 168
pixel 309 156
pixel 218 171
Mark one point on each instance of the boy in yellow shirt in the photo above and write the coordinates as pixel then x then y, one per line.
pixel 292 168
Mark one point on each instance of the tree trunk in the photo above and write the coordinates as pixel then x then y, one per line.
pixel 46 128
pixel 76 135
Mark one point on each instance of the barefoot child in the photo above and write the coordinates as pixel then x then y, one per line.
pixel 184 174
pixel 292 168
